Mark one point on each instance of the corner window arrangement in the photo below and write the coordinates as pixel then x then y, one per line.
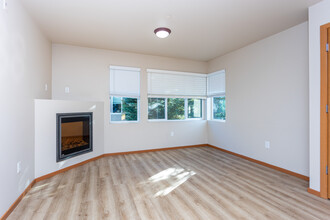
pixel 216 91
pixel 171 95
pixel 124 94
pixel 175 95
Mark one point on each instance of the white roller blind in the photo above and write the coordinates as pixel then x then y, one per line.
pixel 216 83
pixel 124 81
pixel 163 83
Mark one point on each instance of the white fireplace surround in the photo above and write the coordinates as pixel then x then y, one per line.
pixel 45 133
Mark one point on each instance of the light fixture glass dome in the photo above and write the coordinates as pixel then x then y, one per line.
pixel 162 32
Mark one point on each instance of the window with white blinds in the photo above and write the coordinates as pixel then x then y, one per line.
pixel 216 91
pixel 216 84
pixel 124 94
pixel 124 81
pixel 163 83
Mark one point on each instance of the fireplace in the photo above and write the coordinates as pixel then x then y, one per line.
pixel 74 134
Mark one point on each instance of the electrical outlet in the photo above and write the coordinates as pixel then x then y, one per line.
pixel 267 144
pixel 172 133
pixel 46 87
pixel 19 167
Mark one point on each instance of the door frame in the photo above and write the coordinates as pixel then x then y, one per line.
pixel 324 137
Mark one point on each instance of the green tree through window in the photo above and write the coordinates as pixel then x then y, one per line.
pixel 129 109
pixel 175 108
pixel 123 109
pixel 219 108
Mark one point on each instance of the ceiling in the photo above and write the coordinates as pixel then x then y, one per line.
pixel 201 29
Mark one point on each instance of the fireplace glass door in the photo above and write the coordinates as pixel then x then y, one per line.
pixel 74 134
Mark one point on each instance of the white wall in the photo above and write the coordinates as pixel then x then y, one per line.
pixel 267 99
pixel 45 133
pixel 25 66
pixel 319 14
pixel 86 72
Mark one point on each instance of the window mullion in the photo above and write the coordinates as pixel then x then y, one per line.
pixel 121 105
pixel 186 108
pixel 212 108
pixel 111 107
pixel 166 108
pixel 138 109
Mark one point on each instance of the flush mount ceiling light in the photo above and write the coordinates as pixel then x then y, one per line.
pixel 162 32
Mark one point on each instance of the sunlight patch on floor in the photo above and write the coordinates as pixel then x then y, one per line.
pixel 174 176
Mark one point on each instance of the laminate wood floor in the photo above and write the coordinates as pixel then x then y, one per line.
pixel 192 183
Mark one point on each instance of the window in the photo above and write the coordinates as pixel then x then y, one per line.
pixel 124 93
pixel 124 109
pixel 175 109
pixel 216 90
pixel 175 95
pixel 195 108
pixel 156 108
pixel 219 108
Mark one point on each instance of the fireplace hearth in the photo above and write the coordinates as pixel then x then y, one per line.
pixel 74 134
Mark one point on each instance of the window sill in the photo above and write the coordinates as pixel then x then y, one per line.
pixel 124 122
pixel 218 120
pixel 185 120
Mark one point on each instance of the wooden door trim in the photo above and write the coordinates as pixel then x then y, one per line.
pixel 314 192
pixel 323 114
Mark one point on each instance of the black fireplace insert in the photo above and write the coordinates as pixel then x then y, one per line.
pixel 74 134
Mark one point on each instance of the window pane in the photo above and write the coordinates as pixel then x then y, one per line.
pixel 156 108
pixel 194 108
pixel 175 108
pixel 219 108
pixel 129 112
pixel 123 109
pixel 116 105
